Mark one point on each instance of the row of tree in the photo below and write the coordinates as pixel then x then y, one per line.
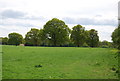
pixel 56 33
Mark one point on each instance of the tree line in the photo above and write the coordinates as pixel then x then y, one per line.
pixel 56 33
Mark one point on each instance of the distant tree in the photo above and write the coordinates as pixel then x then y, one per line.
pixel 86 38
pixel 32 37
pixel 5 41
pixel 116 37
pixel 23 42
pixel 92 38
pixel 78 35
pixel 105 44
pixel 15 39
pixel 43 37
pixel 56 32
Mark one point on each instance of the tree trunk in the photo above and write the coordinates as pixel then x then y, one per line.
pixel 54 42
pixel 54 39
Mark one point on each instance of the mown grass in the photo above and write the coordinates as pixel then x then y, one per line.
pixel 0 62
pixel 59 63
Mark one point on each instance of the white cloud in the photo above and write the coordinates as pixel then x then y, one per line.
pixel 91 21
pixel 12 14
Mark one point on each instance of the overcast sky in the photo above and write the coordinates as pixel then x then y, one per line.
pixel 22 15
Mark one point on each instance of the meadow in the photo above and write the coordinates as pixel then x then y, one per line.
pixel 22 62
pixel 0 62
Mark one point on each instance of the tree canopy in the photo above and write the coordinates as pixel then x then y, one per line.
pixel 92 38
pixel 32 37
pixel 15 39
pixel 116 37
pixel 56 31
pixel 5 41
pixel 78 35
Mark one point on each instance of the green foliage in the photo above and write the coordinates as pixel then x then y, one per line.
pixel 15 39
pixel 78 35
pixel 33 37
pixel 5 41
pixel 92 38
pixel 56 32
pixel 105 44
pixel 85 45
pixel 58 63
pixel 116 37
pixel 43 38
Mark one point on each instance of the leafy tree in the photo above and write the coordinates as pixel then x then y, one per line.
pixel 78 35
pixel 15 39
pixel 92 38
pixel 5 41
pixel 56 31
pixel 116 37
pixel 43 38
pixel 33 37
pixel 105 44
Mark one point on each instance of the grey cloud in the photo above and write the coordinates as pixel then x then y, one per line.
pixel 35 18
pixel 19 15
pixel 119 13
pixel 12 14
pixel 98 16
pixel 119 10
pixel 90 21
pixel 25 25
pixel 18 24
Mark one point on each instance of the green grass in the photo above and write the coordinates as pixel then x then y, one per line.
pixel 0 62
pixel 58 63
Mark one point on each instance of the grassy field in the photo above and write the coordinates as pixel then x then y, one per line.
pixel 58 63
pixel 0 62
